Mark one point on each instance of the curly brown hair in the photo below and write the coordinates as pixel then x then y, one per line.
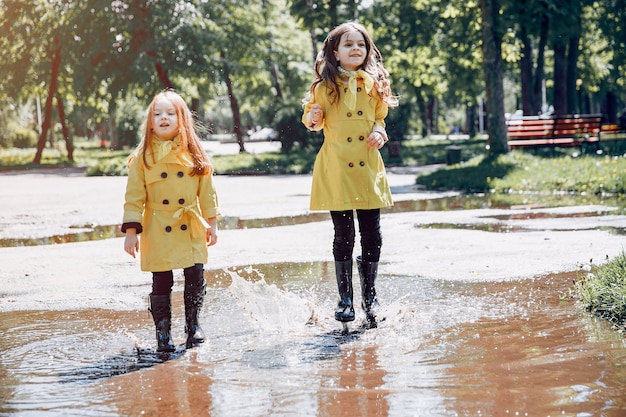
pixel 326 64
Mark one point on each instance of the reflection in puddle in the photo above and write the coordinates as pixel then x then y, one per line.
pixel 485 227
pixel 444 348
pixel 508 228
pixel 82 233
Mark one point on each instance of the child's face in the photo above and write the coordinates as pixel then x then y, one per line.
pixel 351 51
pixel 164 119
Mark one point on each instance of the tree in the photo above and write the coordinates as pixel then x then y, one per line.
pixel 492 63
pixel 33 40
pixel 531 21
pixel 321 16
pixel 407 34
pixel 459 44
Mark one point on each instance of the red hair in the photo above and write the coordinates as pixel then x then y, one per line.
pixel 189 139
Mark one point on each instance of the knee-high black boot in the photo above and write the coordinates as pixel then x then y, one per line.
pixel 161 309
pixel 345 309
pixel 367 273
pixel 194 298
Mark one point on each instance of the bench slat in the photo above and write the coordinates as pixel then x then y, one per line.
pixel 559 131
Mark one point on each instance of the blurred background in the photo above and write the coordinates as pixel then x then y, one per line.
pixel 86 69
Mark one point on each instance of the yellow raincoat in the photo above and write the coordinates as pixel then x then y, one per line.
pixel 347 174
pixel 171 206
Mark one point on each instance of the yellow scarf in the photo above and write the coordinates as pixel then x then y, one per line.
pixel 368 82
pixel 164 147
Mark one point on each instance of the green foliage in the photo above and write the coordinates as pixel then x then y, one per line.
pixel 397 122
pixel 130 116
pixel 20 136
pixel 592 175
pixel 474 176
pixel 297 162
pixel 603 290
pixel 432 49
pixel 291 131
pixel 432 151
pixel 16 130
pixel 111 167
pixel 522 172
pixel 99 161
pixel 15 158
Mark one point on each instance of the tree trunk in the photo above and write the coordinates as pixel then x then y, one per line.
pixel 470 123
pixel 114 139
pixel 492 62
pixel 233 103
pixel 560 79
pixel 526 61
pixel 64 129
pixel 162 73
pixel 332 11
pixel 421 108
pixel 572 74
pixel 314 44
pixel 277 85
pixel 526 71
pixel 539 71
pixel 54 73
pixel 430 128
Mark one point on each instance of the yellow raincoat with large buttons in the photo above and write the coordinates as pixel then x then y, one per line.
pixel 347 174
pixel 171 206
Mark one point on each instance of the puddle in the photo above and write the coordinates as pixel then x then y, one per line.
pixel 485 227
pixel 445 348
pixel 88 232
pixel 83 233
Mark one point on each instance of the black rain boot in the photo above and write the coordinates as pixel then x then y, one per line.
pixel 194 298
pixel 345 310
pixel 367 273
pixel 161 309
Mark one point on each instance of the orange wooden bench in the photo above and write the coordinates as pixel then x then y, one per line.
pixel 570 130
pixel 612 131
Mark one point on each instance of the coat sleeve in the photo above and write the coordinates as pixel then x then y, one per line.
pixel 135 197
pixel 207 197
pixel 381 113
pixel 306 116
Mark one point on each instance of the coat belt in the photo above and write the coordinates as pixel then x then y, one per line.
pixel 198 224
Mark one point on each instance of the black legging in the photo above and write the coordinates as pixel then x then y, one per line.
pixel 369 229
pixel 162 282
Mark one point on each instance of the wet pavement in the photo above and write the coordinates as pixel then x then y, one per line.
pixel 477 317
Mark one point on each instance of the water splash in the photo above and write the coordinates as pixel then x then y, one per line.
pixel 270 307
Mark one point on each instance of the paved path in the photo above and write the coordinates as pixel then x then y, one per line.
pixel 99 274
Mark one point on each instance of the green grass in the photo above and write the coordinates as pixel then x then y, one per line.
pixel 297 162
pixel 521 172
pixel 602 290
pixel 516 173
pixel 99 161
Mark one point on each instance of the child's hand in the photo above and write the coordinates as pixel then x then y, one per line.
pixel 376 140
pixel 316 113
pixel 211 232
pixel 131 242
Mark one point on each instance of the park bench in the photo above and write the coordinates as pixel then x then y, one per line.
pixel 610 131
pixel 613 138
pixel 567 130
